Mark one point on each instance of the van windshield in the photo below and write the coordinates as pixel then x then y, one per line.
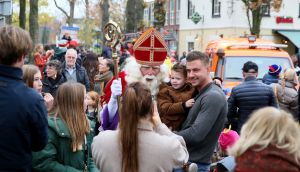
pixel 233 65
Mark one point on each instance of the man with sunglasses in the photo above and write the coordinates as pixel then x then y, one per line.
pixel 248 96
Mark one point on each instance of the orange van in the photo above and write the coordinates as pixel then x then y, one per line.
pixel 229 55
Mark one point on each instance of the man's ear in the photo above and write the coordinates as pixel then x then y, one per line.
pixel 208 69
pixel 22 58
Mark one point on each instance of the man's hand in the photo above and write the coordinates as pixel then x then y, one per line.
pixel 189 103
pixel 116 88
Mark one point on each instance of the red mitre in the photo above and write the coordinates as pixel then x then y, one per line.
pixel 107 91
pixel 150 48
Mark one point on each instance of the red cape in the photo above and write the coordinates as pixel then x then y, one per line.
pixel 107 91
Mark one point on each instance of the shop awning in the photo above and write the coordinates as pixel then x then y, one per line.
pixel 291 35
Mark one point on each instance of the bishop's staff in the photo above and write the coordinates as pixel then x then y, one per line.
pixel 112 33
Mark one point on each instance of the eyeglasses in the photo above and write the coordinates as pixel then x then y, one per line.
pixel 71 57
pixel 148 67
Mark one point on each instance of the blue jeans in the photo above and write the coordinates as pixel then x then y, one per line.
pixel 202 167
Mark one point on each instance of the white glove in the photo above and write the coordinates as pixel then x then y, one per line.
pixel 116 89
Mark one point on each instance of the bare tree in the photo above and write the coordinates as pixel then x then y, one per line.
pixel 159 13
pixel 134 15
pixel 70 18
pixel 87 9
pixel 22 15
pixel 254 8
pixel 33 21
pixel 104 9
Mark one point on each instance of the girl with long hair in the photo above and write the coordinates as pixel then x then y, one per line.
pixel 286 93
pixel 269 141
pixel 32 78
pixel 142 142
pixel 92 110
pixel 69 130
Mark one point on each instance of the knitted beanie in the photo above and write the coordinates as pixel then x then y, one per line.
pixel 227 139
pixel 274 69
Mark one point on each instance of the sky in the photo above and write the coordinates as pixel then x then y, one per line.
pixel 54 11
pixel 79 8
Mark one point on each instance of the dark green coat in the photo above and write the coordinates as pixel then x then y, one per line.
pixel 58 155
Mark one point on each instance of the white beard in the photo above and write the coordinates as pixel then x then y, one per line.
pixel 133 74
pixel 152 84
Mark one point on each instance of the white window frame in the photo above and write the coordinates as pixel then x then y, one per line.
pixel 265 7
pixel 191 46
pixel 216 8
pixel 191 9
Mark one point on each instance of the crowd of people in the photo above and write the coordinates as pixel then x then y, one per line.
pixel 68 112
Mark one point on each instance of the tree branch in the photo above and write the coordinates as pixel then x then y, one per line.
pixel 248 9
pixel 61 9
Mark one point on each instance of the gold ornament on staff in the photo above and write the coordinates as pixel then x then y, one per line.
pixel 112 34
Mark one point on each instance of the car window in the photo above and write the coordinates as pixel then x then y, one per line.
pixel 233 65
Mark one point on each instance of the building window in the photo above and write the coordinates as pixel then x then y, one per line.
pixel 265 9
pixel 177 17
pixel 146 12
pixel 299 11
pixel 167 18
pixel 178 5
pixel 191 9
pixel 172 18
pixel 172 5
pixel 216 8
pixel 190 46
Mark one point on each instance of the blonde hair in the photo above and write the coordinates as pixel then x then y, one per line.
pixel 36 49
pixel 95 97
pixel 69 106
pixel 288 76
pixel 29 71
pixel 269 126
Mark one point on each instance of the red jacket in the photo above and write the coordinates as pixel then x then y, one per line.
pixel 107 91
pixel 41 61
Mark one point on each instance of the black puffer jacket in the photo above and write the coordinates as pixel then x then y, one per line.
pixel 50 85
pixel 247 97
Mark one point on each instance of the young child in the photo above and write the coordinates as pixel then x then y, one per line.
pixel 92 110
pixel 226 140
pixel 273 74
pixel 174 101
